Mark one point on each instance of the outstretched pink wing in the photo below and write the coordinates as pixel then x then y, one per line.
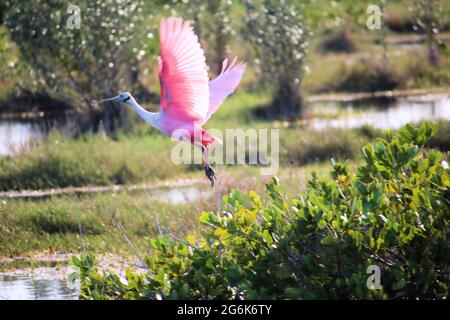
pixel 224 85
pixel 182 72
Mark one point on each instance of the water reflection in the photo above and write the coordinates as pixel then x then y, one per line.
pixel 16 133
pixel 179 195
pixel 392 115
pixel 13 135
pixel 16 288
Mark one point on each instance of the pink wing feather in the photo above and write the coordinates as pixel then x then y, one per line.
pixel 224 85
pixel 182 72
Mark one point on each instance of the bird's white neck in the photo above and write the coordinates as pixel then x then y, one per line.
pixel 150 117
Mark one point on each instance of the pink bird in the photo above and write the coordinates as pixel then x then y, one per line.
pixel 188 97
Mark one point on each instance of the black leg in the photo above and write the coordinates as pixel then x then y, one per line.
pixel 209 171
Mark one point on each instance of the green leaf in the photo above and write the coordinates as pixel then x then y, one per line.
pixel 399 284
pixel 209 218
pixel 328 240
pixel 190 239
pixel 267 237
pixel 283 273
pixel 292 293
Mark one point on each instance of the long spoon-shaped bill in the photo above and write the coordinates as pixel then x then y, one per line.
pixel 105 100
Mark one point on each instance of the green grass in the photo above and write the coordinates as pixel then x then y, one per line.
pixel 92 160
pixel 400 18
pixel 51 225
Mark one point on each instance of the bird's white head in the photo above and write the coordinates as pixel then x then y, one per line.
pixel 126 97
pixel 122 97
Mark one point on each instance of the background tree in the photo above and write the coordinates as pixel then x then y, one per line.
pixel 219 22
pixel 77 64
pixel 276 30
pixel 429 15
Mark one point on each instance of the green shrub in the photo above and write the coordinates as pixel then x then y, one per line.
pixel 47 171
pixel 441 141
pixel 400 22
pixel 418 72
pixel 339 41
pixel 277 33
pixel 367 76
pixel 393 213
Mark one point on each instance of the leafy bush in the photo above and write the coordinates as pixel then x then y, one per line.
pixel 393 213
pixel 339 41
pixel 418 72
pixel 366 76
pixel 400 22
pixel 429 19
pixel 441 141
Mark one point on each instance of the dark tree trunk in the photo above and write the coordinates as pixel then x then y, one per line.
pixel 288 101
pixel 430 23
pixel 115 116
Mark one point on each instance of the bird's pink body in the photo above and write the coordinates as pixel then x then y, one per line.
pixel 188 98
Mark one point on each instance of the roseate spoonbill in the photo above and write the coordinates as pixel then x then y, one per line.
pixel 188 97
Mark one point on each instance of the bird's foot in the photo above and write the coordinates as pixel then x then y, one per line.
pixel 209 172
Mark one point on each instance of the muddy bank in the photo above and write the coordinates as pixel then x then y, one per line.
pixel 47 276
pixel 58 266
pixel 389 94
pixel 98 189
pixel 414 38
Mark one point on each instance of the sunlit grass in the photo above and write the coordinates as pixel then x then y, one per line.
pixel 52 224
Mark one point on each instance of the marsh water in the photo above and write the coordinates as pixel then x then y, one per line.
pixel 29 288
pixel 16 133
pixel 178 195
pixel 48 283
